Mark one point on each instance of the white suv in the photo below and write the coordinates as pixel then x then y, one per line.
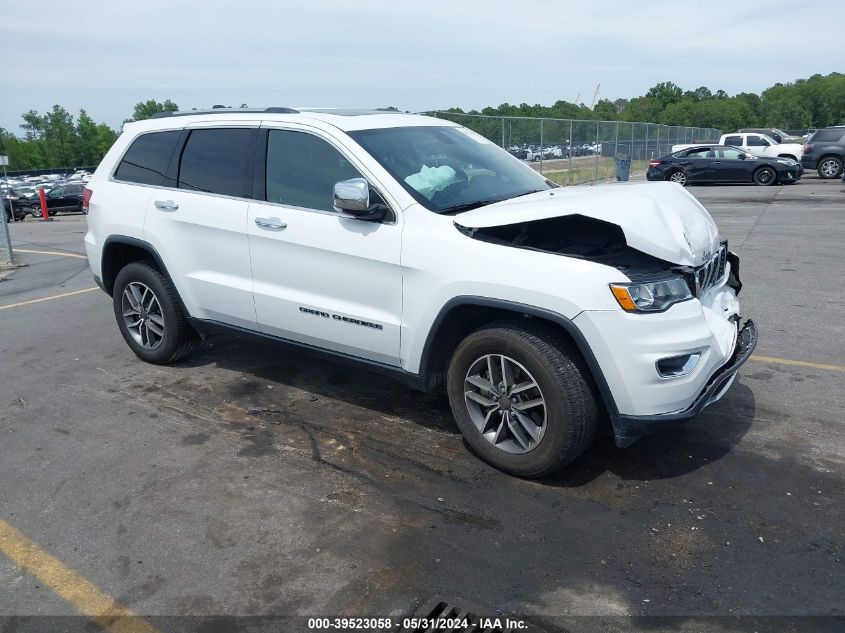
pixel 420 249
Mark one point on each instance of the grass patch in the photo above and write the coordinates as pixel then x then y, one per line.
pixel 586 171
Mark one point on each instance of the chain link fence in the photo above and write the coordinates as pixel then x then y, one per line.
pixel 572 151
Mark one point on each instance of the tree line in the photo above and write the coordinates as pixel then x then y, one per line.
pixel 806 103
pixel 55 139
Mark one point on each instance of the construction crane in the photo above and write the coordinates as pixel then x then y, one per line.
pixel 596 96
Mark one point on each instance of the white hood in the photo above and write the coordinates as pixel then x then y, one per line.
pixel 658 218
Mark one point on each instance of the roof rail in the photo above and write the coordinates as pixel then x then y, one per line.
pixel 217 109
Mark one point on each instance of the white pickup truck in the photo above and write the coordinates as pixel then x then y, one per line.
pixel 755 143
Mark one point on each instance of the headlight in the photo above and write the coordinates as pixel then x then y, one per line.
pixel 651 296
pixel 786 161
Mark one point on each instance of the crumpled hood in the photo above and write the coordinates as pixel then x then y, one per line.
pixel 658 218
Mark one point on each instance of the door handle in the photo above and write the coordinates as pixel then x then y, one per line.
pixel 166 205
pixel 270 223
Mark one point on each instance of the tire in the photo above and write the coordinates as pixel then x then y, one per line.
pixel 765 176
pixel 679 177
pixel 563 425
pixel 164 336
pixel 830 167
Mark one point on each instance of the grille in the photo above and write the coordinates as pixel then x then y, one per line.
pixel 712 271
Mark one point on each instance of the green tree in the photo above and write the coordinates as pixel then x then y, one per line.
pixel 146 109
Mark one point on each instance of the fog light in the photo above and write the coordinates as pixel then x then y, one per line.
pixel 676 366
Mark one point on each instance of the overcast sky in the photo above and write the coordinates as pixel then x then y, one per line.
pixel 105 56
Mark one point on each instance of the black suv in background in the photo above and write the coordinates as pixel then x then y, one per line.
pixel 62 199
pixel 825 151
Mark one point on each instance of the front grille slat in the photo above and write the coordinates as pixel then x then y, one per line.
pixel 712 271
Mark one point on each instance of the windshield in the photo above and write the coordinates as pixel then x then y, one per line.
pixel 450 169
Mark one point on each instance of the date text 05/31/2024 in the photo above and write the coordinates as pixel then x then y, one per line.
pixel 413 624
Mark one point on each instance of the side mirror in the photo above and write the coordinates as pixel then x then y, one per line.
pixel 743 156
pixel 352 199
pixel 352 196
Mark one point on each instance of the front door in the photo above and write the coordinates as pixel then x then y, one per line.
pixel 320 278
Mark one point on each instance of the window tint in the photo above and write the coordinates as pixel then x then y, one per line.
pixel 302 170
pixel 699 153
pixel 756 141
pixel 828 136
pixel 218 161
pixel 733 140
pixel 146 160
pixel 728 152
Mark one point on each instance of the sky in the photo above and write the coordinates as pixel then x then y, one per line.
pixel 105 56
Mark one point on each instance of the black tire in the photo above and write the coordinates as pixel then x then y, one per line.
pixel 679 176
pixel 830 167
pixel 556 367
pixel 179 337
pixel 765 176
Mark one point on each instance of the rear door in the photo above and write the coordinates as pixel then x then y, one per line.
pixel 198 224
pixel 320 278
pixel 696 164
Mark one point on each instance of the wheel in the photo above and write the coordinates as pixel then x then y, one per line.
pixel 521 398
pixel 765 176
pixel 149 316
pixel 679 177
pixel 830 167
pixel 35 211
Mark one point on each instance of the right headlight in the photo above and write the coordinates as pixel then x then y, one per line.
pixel 651 296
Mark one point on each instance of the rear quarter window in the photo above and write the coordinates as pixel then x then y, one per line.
pixel 828 136
pixel 147 158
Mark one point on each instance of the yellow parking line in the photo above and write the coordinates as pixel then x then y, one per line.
pixel 64 294
pixel 59 253
pixel 86 597
pixel 796 363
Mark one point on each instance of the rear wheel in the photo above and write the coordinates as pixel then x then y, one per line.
pixel 149 315
pixel 830 167
pixel 521 398
pixel 679 177
pixel 765 176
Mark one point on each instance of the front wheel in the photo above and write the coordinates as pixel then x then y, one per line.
pixel 765 176
pixel 522 398
pixel 679 177
pixel 830 167
pixel 149 315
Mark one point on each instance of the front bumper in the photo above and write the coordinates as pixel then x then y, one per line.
pixel 627 428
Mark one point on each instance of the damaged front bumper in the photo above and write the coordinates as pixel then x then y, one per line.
pixel 628 428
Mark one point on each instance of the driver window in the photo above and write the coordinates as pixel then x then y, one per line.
pixel 302 170
pixel 757 141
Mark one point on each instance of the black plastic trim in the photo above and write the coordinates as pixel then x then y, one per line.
pixel 416 381
pixel 149 248
pixel 628 428
pixel 521 308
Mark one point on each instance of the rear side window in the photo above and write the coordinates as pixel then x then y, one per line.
pixel 302 170
pixel 733 140
pixel 146 160
pixel 218 161
pixel 828 136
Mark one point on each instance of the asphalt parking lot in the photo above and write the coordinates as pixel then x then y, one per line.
pixel 252 480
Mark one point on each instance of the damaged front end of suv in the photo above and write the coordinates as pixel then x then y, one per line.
pixel 675 342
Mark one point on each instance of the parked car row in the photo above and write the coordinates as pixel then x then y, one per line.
pixel 63 195
pixel 533 153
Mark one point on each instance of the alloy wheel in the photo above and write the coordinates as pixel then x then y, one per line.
pixel 505 403
pixel 829 168
pixel 679 177
pixel 142 315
